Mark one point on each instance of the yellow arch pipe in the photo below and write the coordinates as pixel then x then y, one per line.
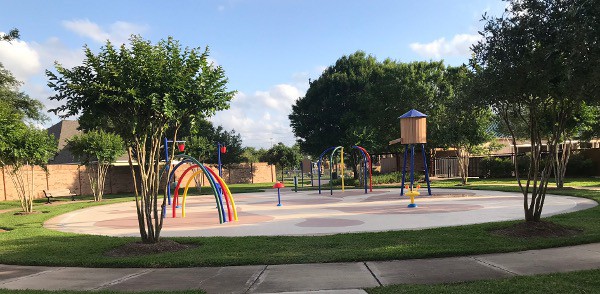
pixel 187 186
pixel 227 194
pixel 230 197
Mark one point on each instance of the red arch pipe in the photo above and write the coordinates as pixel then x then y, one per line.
pixel 223 190
pixel 176 195
pixel 370 167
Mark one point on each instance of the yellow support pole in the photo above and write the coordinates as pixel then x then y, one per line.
pixel 342 162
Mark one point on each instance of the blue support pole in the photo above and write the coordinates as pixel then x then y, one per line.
pixel 426 169
pixel 319 173
pixel 404 170
pixel 412 167
pixel 278 198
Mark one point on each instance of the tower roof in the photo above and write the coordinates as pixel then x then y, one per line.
pixel 413 113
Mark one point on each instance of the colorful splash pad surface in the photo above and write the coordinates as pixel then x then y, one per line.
pixel 310 213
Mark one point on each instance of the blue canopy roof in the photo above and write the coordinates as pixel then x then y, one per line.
pixel 413 113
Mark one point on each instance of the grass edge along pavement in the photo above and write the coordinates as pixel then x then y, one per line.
pixel 574 282
pixel 28 243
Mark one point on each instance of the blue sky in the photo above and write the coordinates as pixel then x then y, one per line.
pixel 268 48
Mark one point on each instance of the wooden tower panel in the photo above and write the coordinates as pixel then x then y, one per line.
pixel 413 130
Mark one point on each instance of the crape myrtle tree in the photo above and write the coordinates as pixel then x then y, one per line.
pixel 21 144
pixel 466 124
pixel 97 150
pixel 137 91
pixel 538 63
pixel 283 156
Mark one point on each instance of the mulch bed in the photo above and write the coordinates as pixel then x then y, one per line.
pixel 537 229
pixel 26 213
pixel 139 248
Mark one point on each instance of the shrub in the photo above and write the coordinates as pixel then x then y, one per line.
pixel 495 167
pixel 579 165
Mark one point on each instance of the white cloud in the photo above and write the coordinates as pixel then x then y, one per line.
pixel 458 46
pixel 20 58
pixel 118 32
pixel 262 117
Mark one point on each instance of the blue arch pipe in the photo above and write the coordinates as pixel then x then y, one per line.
pixel 217 193
pixel 213 183
pixel 364 165
pixel 331 169
pixel 319 165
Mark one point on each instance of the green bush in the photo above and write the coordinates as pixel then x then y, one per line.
pixel 495 167
pixel 581 166
pixel 523 164
pixel 396 177
pixel 347 182
pixel 389 178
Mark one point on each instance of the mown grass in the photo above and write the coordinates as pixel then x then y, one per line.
pixel 28 243
pixel 575 282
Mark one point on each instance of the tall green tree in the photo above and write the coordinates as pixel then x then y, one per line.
pixel 536 64
pixel 97 150
pixel 283 156
pixel 333 111
pixel 203 138
pixel 465 125
pixel 21 144
pixel 138 91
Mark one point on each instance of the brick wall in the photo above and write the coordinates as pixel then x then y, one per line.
pixel 119 180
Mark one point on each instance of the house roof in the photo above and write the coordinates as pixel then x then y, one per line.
pixel 413 113
pixel 63 131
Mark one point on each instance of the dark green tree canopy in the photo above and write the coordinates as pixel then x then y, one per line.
pixel 11 35
pixel 202 143
pixel 132 89
pixel 357 101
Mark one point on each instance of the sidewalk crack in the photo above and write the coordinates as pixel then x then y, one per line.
pixel 123 279
pixel 493 265
pixel 31 276
pixel 373 274
pixel 259 277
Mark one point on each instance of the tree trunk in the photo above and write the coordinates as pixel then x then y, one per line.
pixel 561 159
pixel 463 163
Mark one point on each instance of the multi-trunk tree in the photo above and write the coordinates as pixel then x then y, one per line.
pixel 537 64
pixel 97 150
pixel 22 145
pixel 138 91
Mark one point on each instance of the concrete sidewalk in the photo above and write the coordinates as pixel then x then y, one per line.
pixel 324 278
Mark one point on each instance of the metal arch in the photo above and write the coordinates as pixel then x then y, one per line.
pixel 370 167
pixel 319 165
pixel 331 169
pixel 362 151
pixel 212 184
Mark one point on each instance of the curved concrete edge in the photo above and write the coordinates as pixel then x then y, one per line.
pixel 306 278
pixel 85 221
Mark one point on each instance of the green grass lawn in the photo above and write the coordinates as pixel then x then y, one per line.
pixel 575 282
pixel 29 243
